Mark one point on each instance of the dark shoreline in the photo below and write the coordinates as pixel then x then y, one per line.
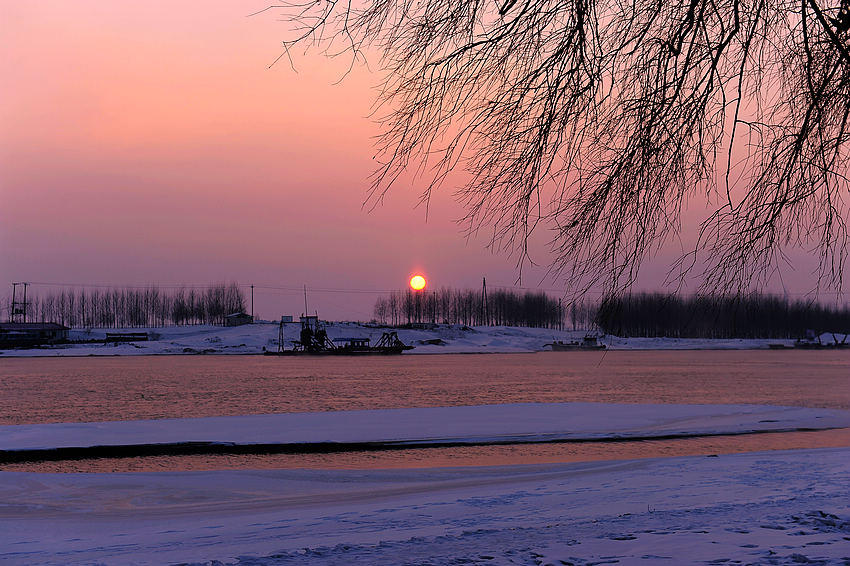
pixel 197 448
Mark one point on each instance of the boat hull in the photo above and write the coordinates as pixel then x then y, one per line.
pixel 575 347
pixel 340 352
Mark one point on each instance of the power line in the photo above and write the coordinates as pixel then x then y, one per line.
pixel 366 291
pixel 121 286
pixel 293 289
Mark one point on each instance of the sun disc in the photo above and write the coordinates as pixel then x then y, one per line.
pixel 417 282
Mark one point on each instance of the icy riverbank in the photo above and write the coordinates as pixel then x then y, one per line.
pixel 765 508
pixel 442 339
pixel 427 426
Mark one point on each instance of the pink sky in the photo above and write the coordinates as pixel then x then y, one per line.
pixel 149 143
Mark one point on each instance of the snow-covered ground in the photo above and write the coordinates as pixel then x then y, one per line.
pixel 253 338
pixel 782 507
pixel 759 508
pixel 484 424
pixel 772 508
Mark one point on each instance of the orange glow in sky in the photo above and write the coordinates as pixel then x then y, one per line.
pixel 151 143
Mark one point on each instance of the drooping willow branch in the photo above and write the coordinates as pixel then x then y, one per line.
pixel 601 119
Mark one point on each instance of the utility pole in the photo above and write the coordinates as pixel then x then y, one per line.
pixel 305 300
pixel 560 315
pixel 484 301
pixel 252 303
pixel 18 312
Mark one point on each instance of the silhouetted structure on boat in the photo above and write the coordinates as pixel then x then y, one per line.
pixel 589 342
pixel 314 340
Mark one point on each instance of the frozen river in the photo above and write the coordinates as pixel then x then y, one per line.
pixel 44 390
pixel 583 502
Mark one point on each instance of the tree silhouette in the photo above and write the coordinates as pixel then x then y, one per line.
pixel 505 307
pixel 601 119
pixel 138 307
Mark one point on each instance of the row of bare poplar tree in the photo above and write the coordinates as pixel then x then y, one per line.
pixel 471 307
pixel 137 307
pixel 639 314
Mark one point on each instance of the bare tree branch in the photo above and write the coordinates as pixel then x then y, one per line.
pixel 601 119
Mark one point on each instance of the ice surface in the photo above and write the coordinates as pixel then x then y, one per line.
pixel 765 508
pixel 523 422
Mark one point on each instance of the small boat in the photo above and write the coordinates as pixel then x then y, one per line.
pixel 589 342
pixel 315 342
pixel 809 345
pixel 812 341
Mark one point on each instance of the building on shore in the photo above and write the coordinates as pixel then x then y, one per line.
pixel 18 334
pixel 238 319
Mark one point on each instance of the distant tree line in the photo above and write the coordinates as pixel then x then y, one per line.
pixel 467 306
pixel 137 307
pixel 754 316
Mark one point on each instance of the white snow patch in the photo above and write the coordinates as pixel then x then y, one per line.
pixel 443 339
pixel 766 508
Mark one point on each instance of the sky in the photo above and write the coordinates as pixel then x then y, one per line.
pixel 151 143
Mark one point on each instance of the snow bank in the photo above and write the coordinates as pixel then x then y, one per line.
pixel 766 508
pixel 443 339
pixel 525 422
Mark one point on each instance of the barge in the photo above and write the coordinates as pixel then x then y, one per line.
pixel 314 341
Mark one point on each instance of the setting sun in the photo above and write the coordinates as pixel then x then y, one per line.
pixel 417 282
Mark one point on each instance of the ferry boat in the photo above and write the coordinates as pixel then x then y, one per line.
pixel 589 342
pixel 314 341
